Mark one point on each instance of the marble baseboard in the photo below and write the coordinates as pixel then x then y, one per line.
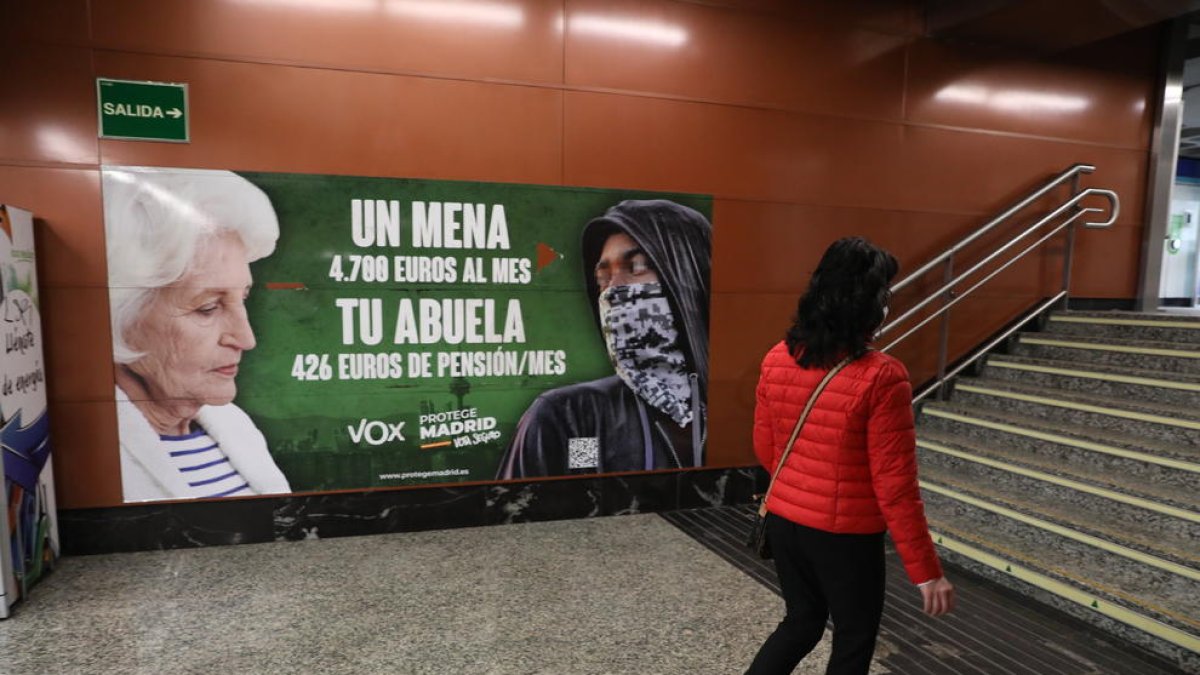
pixel 166 526
pixel 143 527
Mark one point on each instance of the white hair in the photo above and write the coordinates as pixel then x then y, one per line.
pixel 156 220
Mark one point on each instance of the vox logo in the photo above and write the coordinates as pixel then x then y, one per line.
pixel 375 432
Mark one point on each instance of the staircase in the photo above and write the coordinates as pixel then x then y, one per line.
pixel 1068 469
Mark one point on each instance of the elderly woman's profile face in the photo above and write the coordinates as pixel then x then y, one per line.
pixel 194 331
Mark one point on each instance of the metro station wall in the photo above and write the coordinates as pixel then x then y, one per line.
pixel 805 121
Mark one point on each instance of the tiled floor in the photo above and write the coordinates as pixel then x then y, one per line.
pixel 991 631
pixel 627 594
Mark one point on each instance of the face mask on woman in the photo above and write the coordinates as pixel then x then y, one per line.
pixel 643 345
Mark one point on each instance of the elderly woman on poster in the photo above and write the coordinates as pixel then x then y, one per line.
pixel 180 244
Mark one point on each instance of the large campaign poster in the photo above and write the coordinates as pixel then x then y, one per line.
pixel 279 333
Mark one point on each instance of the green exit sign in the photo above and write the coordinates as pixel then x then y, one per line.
pixel 142 111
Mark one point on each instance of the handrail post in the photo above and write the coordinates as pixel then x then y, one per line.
pixel 951 296
pixel 944 339
pixel 1069 253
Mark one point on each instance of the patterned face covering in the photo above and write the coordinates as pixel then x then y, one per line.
pixel 643 345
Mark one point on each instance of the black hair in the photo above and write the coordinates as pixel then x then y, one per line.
pixel 843 304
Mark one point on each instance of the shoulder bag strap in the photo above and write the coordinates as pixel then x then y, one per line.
pixel 762 508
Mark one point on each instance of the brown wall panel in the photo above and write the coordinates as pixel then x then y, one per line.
pixel 1107 262
pixel 45 21
pixel 756 154
pixel 49 114
pixel 484 39
pixel 949 169
pixel 743 153
pixel 70 238
pixel 78 345
pixel 902 18
pixel 273 118
pixel 87 465
pixel 743 328
pixel 806 121
pixel 771 247
pixel 722 54
pixel 730 420
pixel 954 87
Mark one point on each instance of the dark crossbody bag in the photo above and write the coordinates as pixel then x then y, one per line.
pixel 758 533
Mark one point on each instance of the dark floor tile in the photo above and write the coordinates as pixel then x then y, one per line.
pixel 993 631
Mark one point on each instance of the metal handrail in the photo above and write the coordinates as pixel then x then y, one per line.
pixel 1072 173
pixel 951 298
pixel 1030 315
pixel 996 254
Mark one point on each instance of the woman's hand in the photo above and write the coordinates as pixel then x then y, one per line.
pixel 938 596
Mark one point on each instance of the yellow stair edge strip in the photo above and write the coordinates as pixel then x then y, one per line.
pixel 1065 440
pixel 1084 407
pixel 1141 605
pixel 1096 346
pixel 1175 512
pixel 1126 616
pixel 1093 375
pixel 1152 323
pixel 1096 542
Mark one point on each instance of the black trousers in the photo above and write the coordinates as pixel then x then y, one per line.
pixel 824 575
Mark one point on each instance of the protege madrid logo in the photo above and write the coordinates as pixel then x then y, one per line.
pixel 375 432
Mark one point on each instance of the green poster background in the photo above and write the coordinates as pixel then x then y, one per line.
pixel 293 312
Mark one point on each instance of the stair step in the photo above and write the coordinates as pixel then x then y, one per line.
pixel 1152 326
pixel 1162 314
pixel 1070 470
pixel 960 548
pixel 1133 521
pixel 1033 520
pixel 1169 423
pixel 1169 454
pixel 1097 378
pixel 1139 474
pixel 997 461
pixel 1147 355
pixel 1171 470
pixel 1157 588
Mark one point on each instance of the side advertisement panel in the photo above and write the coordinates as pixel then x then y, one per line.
pixel 30 525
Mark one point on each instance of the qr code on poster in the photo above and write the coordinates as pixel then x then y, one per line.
pixel 583 453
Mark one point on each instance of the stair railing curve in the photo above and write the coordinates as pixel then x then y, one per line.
pixel 950 296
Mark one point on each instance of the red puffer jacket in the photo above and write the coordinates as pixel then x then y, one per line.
pixel 854 467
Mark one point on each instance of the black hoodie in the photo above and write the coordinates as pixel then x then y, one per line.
pixel 601 426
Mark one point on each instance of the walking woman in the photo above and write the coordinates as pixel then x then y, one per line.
pixel 852 473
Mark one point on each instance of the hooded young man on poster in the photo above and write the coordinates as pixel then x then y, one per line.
pixel 647 265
